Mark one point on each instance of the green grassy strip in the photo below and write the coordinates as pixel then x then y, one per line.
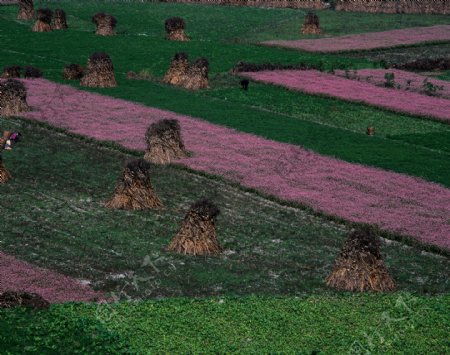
pixel 335 113
pixel 61 183
pixel 356 147
pixel 355 324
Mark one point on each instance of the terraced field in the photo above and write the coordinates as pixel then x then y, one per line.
pixel 293 173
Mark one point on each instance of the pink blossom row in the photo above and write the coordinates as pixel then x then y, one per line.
pixel 371 40
pixel 320 83
pixel 18 275
pixel 398 203
pixel 403 80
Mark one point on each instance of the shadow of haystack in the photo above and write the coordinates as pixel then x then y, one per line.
pixel 43 21
pixel 105 24
pixel 26 10
pixel 164 142
pixel 134 190
pixel 10 72
pixel 197 235
pixel 59 21
pixel 100 72
pixel 189 76
pixel 311 24
pixel 13 98
pixel 73 72
pixel 175 29
pixel 32 73
pixel 360 266
pixel 10 299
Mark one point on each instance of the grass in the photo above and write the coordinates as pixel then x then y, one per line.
pixel 365 323
pixel 325 125
pixel 59 188
pixel 55 218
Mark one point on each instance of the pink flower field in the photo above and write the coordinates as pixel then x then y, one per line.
pixel 320 83
pixel 366 41
pixel 17 275
pixel 407 80
pixel 398 203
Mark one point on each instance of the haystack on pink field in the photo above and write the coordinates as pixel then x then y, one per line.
pixel 13 98
pixel 164 142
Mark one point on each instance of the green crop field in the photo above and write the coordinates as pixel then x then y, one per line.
pixel 359 324
pixel 328 126
pixel 271 249
pixel 266 292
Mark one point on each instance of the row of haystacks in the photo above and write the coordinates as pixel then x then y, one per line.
pixel 99 72
pixel 197 234
pixel 106 24
pixel 359 266
pixel 48 20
